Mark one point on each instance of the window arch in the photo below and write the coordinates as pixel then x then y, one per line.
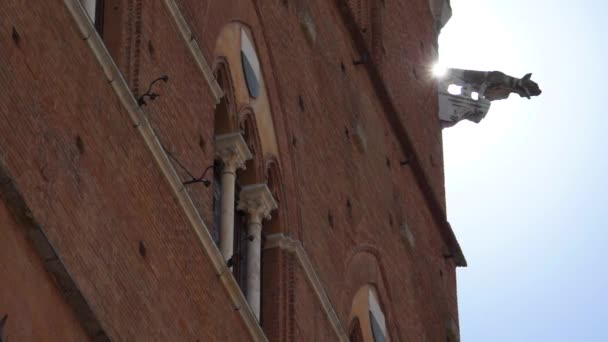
pixel 244 118
pixel 225 112
pixel 254 167
pixel 367 314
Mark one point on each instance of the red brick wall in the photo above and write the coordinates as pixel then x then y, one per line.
pixel 36 309
pixel 98 202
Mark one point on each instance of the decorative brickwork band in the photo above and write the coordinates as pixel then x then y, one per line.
pixel 293 246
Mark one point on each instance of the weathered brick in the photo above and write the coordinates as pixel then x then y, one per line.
pixel 96 190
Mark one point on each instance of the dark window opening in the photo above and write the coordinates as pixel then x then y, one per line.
pixel 356 335
pixel 239 259
pixel 99 15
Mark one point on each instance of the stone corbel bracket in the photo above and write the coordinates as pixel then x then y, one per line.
pixel 457 107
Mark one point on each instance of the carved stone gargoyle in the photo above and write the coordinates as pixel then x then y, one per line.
pixel 477 90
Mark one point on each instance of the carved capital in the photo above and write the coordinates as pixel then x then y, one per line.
pixel 232 150
pixel 257 201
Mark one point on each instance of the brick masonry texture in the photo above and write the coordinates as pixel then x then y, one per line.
pixel 94 187
pixel 36 309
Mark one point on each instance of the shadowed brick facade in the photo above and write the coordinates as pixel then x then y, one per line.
pixel 102 241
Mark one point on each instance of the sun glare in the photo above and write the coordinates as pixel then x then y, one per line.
pixel 438 70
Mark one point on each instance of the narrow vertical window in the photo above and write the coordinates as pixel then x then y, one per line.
pixel 368 319
pixel 95 10
pixel 376 318
pixel 251 65
pixel 239 259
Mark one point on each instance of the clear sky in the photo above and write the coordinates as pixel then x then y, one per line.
pixel 527 187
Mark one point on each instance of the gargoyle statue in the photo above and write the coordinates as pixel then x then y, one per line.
pixel 494 85
pixel 488 86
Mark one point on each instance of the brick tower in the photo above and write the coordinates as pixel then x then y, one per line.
pixel 243 170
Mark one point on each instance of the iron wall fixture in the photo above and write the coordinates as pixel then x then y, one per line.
pixel 201 179
pixel 141 101
pixel 193 179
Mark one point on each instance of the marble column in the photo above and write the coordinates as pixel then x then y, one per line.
pixel 233 152
pixel 257 201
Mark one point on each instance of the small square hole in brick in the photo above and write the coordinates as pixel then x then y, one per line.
pixel 16 36
pixel 142 249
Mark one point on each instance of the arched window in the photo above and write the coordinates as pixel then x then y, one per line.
pixel 238 136
pixel 367 317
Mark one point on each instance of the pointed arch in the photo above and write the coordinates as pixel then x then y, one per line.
pixel 254 168
pixel 368 321
pixel 364 267
pixel 235 42
pixel 226 117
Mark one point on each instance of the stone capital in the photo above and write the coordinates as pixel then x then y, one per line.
pixel 257 201
pixel 232 150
